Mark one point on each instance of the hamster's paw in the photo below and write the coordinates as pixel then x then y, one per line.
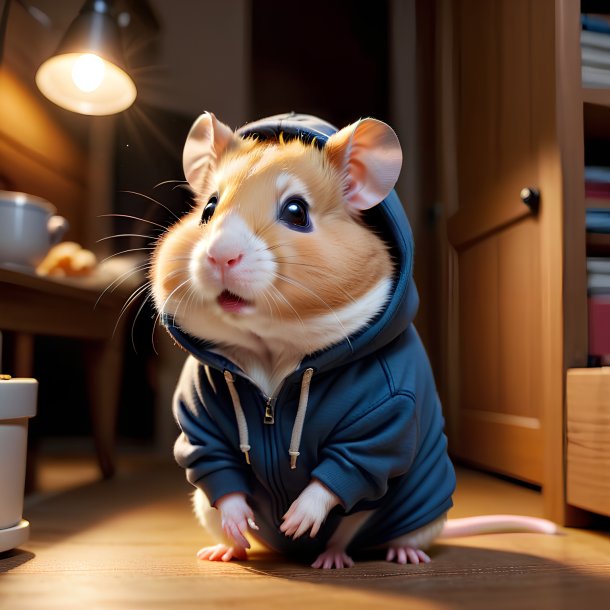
pixel 333 558
pixel 309 510
pixel 222 552
pixel 406 554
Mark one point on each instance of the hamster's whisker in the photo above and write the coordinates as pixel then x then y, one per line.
pixel 264 295
pixel 126 235
pixel 133 324
pixel 274 301
pixel 347 294
pixel 120 279
pixel 150 222
pixel 270 248
pixel 153 200
pixel 190 241
pixel 184 187
pixel 143 248
pixel 178 259
pixel 261 232
pixel 152 332
pixel 185 297
pixel 178 182
pixel 194 296
pixel 176 272
pixel 298 284
pixel 134 296
pixel 282 259
pixel 171 294
pixel 283 298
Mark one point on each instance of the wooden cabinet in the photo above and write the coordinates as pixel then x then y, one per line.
pixel 505 120
pixel 588 439
pixel 518 119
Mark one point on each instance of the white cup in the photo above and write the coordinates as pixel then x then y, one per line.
pixel 17 405
pixel 29 227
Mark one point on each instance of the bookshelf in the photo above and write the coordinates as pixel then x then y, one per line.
pixel 596 95
pixel 587 398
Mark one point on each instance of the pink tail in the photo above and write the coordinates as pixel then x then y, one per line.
pixel 496 524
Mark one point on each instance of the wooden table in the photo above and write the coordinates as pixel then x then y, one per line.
pixel 33 305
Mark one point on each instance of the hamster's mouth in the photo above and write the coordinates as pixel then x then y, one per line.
pixel 232 303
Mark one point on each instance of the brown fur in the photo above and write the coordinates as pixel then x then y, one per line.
pixel 338 262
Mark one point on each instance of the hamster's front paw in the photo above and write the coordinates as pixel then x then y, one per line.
pixel 309 510
pixel 333 558
pixel 222 552
pixel 406 554
pixel 237 516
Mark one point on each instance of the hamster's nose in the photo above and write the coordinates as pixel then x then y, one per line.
pixel 222 260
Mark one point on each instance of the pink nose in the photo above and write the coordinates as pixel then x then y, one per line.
pixel 224 260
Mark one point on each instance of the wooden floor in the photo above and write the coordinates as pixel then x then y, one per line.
pixel 130 543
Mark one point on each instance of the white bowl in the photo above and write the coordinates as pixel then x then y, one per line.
pixel 29 226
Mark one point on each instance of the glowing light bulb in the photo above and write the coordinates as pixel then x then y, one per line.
pixel 88 72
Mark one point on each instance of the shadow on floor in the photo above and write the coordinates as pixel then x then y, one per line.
pixel 9 560
pixel 461 577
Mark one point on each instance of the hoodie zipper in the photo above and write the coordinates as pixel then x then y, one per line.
pixel 269 414
pixel 269 417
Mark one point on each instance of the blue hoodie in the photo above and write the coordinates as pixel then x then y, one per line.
pixel 373 428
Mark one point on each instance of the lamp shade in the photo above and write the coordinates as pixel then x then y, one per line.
pixel 87 73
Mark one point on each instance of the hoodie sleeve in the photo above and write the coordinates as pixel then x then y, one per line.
pixel 202 448
pixel 364 453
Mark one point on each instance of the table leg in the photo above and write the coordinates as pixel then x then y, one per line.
pixel 23 355
pixel 105 368
pixel 23 366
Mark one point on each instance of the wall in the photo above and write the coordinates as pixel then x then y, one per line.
pixel 38 154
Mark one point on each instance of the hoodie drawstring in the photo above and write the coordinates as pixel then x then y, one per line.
pixel 299 422
pixel 242 425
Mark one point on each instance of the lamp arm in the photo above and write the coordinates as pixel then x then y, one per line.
pixel 36 13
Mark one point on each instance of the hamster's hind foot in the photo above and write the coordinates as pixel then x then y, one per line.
pixel 333 558
pixel 406 554
pixel 222 552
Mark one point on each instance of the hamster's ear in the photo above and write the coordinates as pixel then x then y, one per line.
pixel 369 157
pixel 205 143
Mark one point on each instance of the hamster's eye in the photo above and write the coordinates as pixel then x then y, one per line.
pixel 295 214
pixel 209 209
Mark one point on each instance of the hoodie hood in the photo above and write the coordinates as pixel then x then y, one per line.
pixel 388 219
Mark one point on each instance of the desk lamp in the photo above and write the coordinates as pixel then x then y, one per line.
pixel 87 73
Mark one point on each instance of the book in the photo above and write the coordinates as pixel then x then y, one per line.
pixel 597 220
pixel 599 325
pixel 598 284
pixel 595 39
pixel 595 23
pixel 595 57
pixel 600 190
pixel 598 264
pixel 597 173
pixel 595 77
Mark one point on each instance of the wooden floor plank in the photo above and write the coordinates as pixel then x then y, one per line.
pixel 129 543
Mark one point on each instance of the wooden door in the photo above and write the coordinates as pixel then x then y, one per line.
pixel 504 116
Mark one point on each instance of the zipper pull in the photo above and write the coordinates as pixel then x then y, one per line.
pixel 269 418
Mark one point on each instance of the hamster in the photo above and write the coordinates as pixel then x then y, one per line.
pixel 307 409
